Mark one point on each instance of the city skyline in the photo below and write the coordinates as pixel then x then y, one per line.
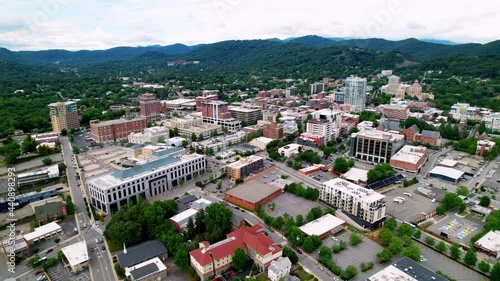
pixel 71 25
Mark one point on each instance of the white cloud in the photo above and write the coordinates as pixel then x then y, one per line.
pixel 70 24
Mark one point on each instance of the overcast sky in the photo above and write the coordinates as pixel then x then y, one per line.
pixel 91 24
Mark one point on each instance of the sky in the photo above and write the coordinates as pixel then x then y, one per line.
pixel 103 24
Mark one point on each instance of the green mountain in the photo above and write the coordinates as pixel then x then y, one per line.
pixel 414 47
pixel 77 58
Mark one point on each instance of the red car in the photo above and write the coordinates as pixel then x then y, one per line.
pixel 232 272
pixel 38 272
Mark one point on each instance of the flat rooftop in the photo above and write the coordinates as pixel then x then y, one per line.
pixel 366 195
pixel 410 154
pixel 178 101
pixel 76 253
pixel 448 172
pixel 379 135
pixel 322 225
pixel 243 109
pixel 253 191
pixel 355 174
pixel 50 228
pixel 184 215
pixel 490 241
pixel 244 161
pixel 146 268
pixel 116 122
pixel 116 178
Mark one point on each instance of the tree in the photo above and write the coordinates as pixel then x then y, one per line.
pixel 182 258
pixel 120 271
pixel 161 139
pixel 350 272
pixel 385 236
pixel 239 259
pixel 390 224
pixel 287 252
pixel 430 241
pixel 70 207
pixel 184 143
pixel 193 137
pixel 200 226
pixel 201 137
pixel 412 252
pixel 482 128
pixel 417 234
pixel 485 201
pixel 441 246
pixel 61 167
pixel 355 239
pixel 299 220
pixel 47 161
pixel 455 252
pixel 380 172
pixel 190 229
pixel 340 165
pixel 405 229
pixel 218 221
pixel 470 258
pixel 384 256
pixel 484 266
pixel 463 190
pixel 396 245
pixel 29 144
pixel 325 251
pixel 495 272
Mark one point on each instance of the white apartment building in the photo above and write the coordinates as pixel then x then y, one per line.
pixel 188 126
pixel 279 269
pixel 375 146
pixel 150 135
pixel 290 150
pixel 110 191
pixel 364 206
pixel 355 93
pixel 492 121
pixel 221 142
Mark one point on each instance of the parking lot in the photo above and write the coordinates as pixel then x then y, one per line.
pixel 365 251
pixel 459 229
pixel 291 205
pixel 98 161
pixel 414 208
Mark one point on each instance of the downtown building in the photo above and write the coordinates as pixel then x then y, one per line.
pixel 64 115
pixel 111 191
pixel 217 112
pixel 150 106
pixel 149 135
pixel 355 93
pixel 244 167
pixel 205 96
pixel 191 125
pixel 116 130
pixel 409 158
pixel 364 206
pixel 248 114
pixel 375 146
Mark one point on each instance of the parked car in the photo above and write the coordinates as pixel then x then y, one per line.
pixel 49 250
pixel 299 251
pixel 103 248
pixel 38 272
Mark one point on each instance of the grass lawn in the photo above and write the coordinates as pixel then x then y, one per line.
pixel 302 274
pixel 262 277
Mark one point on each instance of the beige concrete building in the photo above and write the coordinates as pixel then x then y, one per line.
pixel 64 115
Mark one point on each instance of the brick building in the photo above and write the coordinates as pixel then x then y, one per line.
pixel 64 115
pixel 411 133
pixel 242 168
pixel 205 96
pixel 150 106
pixel 429 137
pixel 116 130
pixel 252 195
pixel 50 211
pixel 409 158
pixel 273 131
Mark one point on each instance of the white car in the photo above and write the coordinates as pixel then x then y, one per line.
pixel 422 259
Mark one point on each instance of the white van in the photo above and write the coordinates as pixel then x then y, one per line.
pixel 407 194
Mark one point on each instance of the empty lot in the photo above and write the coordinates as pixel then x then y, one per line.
pixel 413 208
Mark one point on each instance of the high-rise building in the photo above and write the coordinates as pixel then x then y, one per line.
pixel 217 112
pixel 205 96
pixel 355 93
pixel 317 88
pixel 64 115
pixel 393 85
pixel 375 146
pixel 273 131
pixel 248 114
pixel 415 90
pixel 150 106
pixel 365 206
pixel 242 168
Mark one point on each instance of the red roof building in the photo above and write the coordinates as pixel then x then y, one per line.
pixel 210 260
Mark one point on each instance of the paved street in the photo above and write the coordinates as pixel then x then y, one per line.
pixel 432 159
pixel 100 264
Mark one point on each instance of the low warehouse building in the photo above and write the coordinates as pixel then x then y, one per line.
pixel 447 174
pixel 253 194
pixel 325 226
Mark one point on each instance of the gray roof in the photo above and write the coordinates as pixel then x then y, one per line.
pixel 132 172
pixel 279 265
pixel 417 271
pixel 184 201
pixel 144 271
pixel 167 151
pixel 431 134
pixel 253 192
pixel 141 252
pixel 414 128
pixel 391 126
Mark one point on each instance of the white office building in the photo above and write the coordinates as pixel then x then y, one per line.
pixel 150 135
pixel 355 93
pixel 364 206
pixel 110 191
